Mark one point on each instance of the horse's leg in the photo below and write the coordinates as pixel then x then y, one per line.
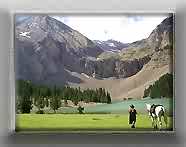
pixel 159 120
pixel 152 121
pixel 156 123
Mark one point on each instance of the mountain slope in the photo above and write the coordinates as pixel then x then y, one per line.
pixel 132 87
pixel 46 49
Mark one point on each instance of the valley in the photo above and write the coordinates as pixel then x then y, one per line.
pixel 48 52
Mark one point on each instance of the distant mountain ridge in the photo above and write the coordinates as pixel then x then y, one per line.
pixel 111 45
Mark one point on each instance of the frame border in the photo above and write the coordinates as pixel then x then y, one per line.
pixel 12 120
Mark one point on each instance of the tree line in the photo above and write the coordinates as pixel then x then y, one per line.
pixel 161 88
pixel 29 94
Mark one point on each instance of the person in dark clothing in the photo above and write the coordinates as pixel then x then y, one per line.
pixel 132 116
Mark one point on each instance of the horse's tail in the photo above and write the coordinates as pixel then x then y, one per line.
pixel 163 111
pixel 164 115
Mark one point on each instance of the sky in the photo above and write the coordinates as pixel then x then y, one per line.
pixel 123 28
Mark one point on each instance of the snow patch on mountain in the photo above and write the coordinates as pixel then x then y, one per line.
pixel 85 75
pixel 25 34
pixel 112 44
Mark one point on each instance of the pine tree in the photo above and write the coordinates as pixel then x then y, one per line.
pixel 24 93
pixel 55 103
pixel 40 103
pixel 108 98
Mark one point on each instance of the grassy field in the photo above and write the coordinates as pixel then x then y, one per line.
pixel 99 117
pixel 80 122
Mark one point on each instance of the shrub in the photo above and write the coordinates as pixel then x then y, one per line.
pixel 40 112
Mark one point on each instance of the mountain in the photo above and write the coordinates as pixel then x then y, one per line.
pixel 50 52
pixel 47 49
pixel 158 46
pixel 111 45
pixel 45 27
pixel 154 51
pixel 148 59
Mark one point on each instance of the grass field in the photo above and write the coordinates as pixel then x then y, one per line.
pixel 99 117
pixel 80 122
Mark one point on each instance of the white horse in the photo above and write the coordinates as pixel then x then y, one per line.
pixel 157 115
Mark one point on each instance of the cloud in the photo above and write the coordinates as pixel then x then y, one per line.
pixel 135 18
pixel 126 28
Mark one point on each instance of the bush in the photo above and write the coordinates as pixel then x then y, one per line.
pixel 80 109
pixel 40 112
pixel 130 98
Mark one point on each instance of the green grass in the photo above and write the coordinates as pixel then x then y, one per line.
pixel 100 117
pixel 80 122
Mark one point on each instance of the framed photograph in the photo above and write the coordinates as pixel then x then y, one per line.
pixel 100 73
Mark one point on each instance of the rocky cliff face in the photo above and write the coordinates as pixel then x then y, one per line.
pixel 161 42
pixel 112 67
pixel 162 36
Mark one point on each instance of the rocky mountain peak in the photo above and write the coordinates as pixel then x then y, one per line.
pixel 162 35
pixel 35 29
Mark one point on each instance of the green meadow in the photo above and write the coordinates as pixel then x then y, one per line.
pixel 100 117
pixel 80 122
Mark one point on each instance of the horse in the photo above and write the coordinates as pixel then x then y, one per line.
pixel 156 114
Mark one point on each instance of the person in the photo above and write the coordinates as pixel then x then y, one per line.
pixel 132 116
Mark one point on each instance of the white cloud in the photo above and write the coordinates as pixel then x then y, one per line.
pixel 122 28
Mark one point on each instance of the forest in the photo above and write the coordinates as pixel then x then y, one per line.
pixel 161 88
pixel 29 94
